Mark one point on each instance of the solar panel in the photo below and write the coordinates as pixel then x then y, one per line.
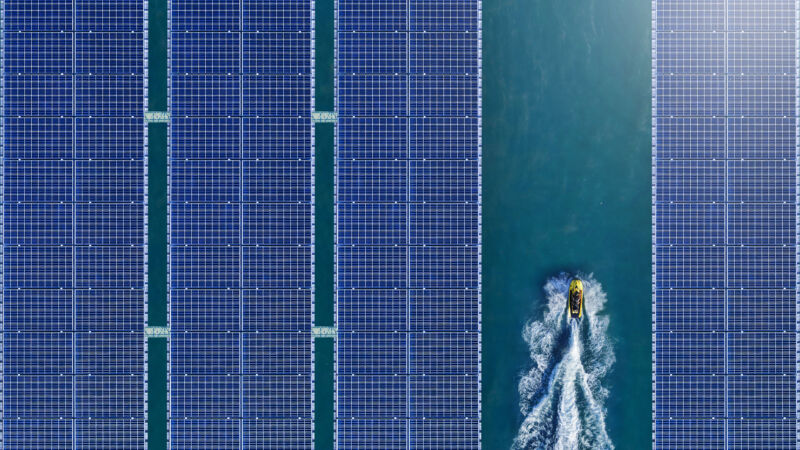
pixel 408 224
pixel 74 260
pixel 241 224
pixel 724 221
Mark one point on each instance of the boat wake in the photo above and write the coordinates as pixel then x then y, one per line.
pixel 562 396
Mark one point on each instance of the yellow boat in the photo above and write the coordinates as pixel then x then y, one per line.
pixel 575 299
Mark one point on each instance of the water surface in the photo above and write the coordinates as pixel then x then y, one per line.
pixel 566 187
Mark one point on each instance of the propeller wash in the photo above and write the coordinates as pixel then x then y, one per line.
pixel 562 396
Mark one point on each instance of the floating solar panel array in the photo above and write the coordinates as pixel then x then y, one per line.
pixel 241 224
pixel 74 238
pixel 725 223
pixel 408 97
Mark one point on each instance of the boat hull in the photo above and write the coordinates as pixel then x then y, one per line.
pixel 575 299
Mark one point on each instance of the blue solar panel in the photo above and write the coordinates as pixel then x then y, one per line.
pixel 444 138
pixel 24 307
pixel 38 95
pixel 108 15
pixel 93 49
pixel 220 53
pixel 761 137
pixel 372 310
pixel 38 137
pixel 277 53
pixel 39 15
pixel 688 433
pixel 367 15
pixel 758 353
pixel 693 137
pixel 31 434
pixel 106 433
pixel 724 222
pixel 241 224
pixel 278 15
pixel 445 15
pixel 690 353
pixel 373 53
pixel 38 53
pixel 747 311
pixel 74 223
pixel 442 434
pixel 408 224
pixel 125 143
pixel 753 433
pixel 205 434
pixel 761 224
pixel 444 353
pixel 277 309
pixel 390 434
pixel 276 433
pixel 276 138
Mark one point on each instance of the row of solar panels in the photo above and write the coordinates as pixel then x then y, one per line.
pixel 408 225
pixel 725 237
pixel 393 389
pixel 241 224
pixel 74 218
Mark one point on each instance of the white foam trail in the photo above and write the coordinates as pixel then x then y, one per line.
pixel 569 425
pixel 562 395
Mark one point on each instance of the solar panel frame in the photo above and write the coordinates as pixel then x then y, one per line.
pixel 725 223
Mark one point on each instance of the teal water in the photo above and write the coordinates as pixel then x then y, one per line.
pixel 323 224
pixel 157 226
pixel 566 187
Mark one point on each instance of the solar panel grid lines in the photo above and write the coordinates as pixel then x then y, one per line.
pixel 312 226
pixel 241 224
pixel 337 309
pixel 240 343
pixel 407 224
pixel 60 237
pixel 207 260
pixel 172 131
pixel 725 191
pixel 788 430
pixel 727 198
pixel 3 429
